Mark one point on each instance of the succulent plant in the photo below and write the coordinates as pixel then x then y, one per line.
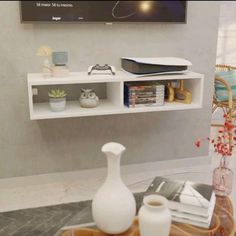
pixel 57 93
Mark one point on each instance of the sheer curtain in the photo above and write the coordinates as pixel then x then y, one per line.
pixel 226 50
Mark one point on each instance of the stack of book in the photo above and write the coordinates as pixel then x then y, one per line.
pixel 190 203
pixel 142 95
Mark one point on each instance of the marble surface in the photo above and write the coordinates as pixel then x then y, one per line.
pixel 44 221
pixel 48 221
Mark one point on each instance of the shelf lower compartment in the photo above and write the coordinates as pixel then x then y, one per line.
pixel 73 109
pixel 166 107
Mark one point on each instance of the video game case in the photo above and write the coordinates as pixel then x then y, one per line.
pixel 144 105
pixel 145 87
pixel 153 88
pixel 137 94
pixel 153 98
pixel 129 92
pixel 141 91
pixel 145 100
pixel 145 94
pixel 148 101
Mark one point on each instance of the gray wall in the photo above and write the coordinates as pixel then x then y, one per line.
pixel 35 147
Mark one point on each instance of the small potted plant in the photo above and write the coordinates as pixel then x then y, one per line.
pixel 57 100
pixel 224 145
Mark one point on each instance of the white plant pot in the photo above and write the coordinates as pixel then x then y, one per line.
pixel 113 206
pixel 57 104
pixel 154 216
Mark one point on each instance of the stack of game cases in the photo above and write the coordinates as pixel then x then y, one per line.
pixel 143 94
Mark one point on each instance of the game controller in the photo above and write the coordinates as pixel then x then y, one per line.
pixel 104 68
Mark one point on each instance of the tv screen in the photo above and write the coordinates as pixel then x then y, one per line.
pixel 103 11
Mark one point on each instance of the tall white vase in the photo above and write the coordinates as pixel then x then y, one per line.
pixel 113 206
pixel 154 216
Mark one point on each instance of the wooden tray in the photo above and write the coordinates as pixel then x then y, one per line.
pixel 223 225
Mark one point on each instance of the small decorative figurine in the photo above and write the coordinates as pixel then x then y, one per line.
pixel 182 94
pixel 46 52
pixel 169 92
pixel 88 98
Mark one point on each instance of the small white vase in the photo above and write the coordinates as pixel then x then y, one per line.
pixel 47 71
pixel 154 216
pixel 113 206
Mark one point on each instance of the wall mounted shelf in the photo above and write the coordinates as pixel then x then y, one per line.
pixel 113 101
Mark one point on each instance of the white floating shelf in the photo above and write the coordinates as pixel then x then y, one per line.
pixel 83 77
pixel 113 104
pixel 42 110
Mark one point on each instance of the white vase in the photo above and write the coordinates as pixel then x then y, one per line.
pixel 46 67
pixel 113 206
pixel 154 216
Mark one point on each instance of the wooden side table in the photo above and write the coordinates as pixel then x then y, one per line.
pixel 223 225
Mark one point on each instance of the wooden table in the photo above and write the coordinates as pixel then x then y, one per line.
pixel 223 225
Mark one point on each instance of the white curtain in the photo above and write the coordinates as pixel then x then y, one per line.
pixel 226 51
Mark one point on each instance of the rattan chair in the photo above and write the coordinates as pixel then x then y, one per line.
pixel 229 105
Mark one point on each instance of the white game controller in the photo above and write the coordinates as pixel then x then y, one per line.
pixel 101 69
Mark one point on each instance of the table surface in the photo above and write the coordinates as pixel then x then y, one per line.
pixel 223 225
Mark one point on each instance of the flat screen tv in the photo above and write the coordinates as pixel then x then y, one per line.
pixel 103 11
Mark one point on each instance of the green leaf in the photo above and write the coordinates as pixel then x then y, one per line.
pixel 57 93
